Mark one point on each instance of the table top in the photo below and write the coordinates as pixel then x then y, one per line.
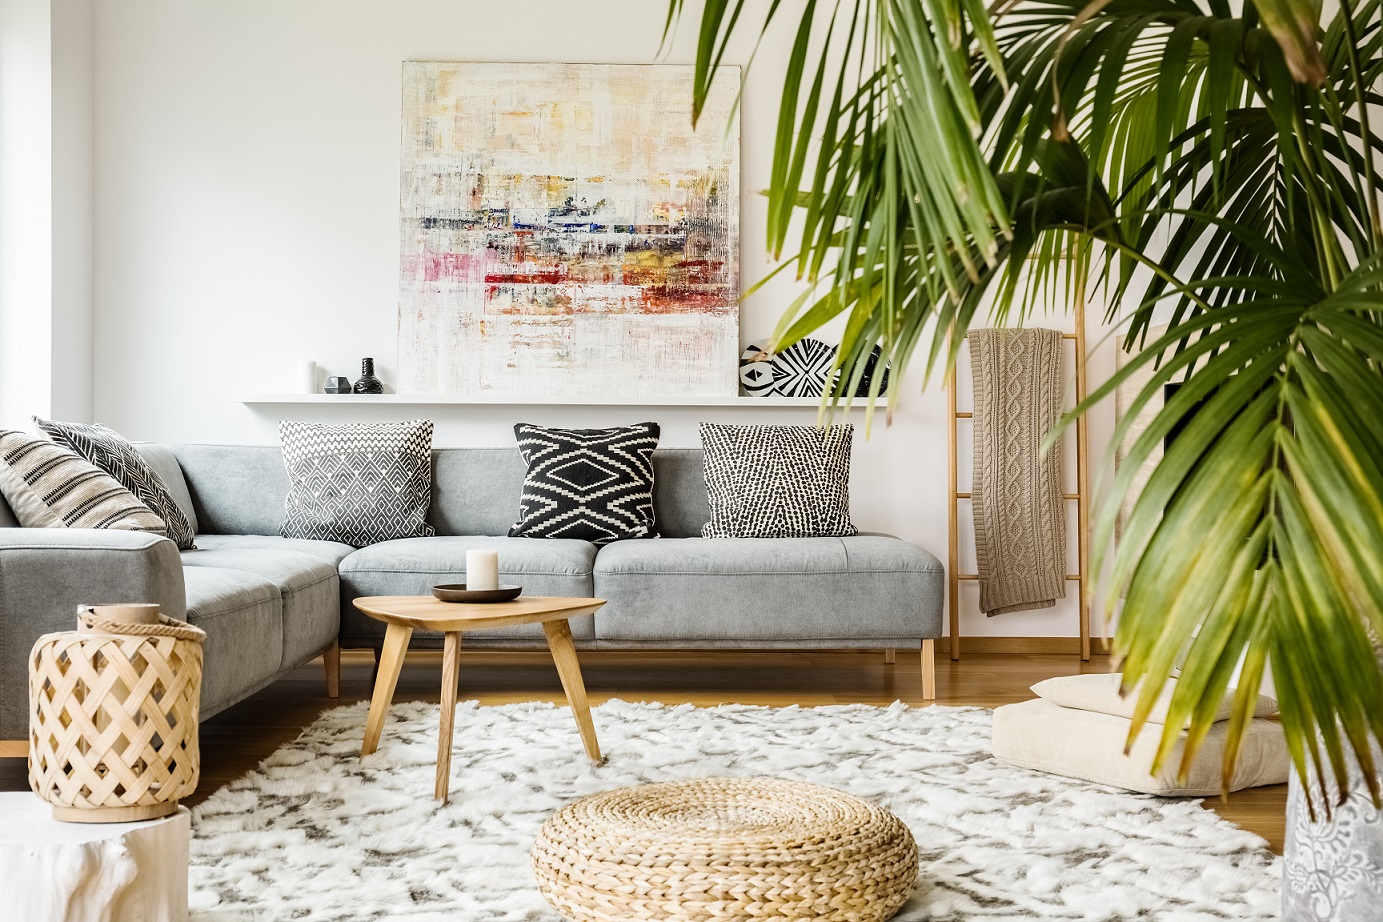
pixel 430 614
pixel 25 820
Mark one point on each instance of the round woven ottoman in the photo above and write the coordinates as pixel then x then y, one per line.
pixel 725 848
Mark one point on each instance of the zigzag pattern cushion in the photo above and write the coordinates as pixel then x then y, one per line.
pixel 591 484
pixel 357 484
pixel 777 481
pixel 48 486
pixel 112 453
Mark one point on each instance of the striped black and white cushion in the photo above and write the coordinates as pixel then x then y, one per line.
pixel 49 486
pixel 592 484
pixel 112 453
pixel 777 481
pixel 357 484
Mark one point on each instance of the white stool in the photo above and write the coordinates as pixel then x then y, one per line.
pixel 91 872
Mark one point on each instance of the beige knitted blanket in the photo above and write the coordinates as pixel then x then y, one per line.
pixel 1020 525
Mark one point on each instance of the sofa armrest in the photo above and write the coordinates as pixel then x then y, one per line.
pixel 45 573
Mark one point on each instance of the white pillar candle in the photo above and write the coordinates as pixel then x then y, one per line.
pixel 482 569
pixel 308 378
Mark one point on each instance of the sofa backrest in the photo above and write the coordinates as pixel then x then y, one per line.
pixel 240 489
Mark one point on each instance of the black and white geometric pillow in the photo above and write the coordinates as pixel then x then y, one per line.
pixel 357 484
pixel 112 453
pixel 591 484
pixel 48 486
pixel 777 481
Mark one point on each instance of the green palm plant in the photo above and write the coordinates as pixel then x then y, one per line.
pixel 1208 167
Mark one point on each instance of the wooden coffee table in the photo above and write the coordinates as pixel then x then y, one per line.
pixel 404 613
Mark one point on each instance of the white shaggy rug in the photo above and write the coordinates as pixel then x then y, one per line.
pixel 316 834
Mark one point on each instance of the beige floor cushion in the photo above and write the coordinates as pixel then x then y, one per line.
pixel 1099 691
pixel 1088 745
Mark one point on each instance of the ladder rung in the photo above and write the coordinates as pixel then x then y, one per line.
pixel 1070 577
pixel 1063 496
pixel 1063 336
pixel 965 415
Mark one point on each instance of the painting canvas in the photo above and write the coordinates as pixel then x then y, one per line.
pixel 565 231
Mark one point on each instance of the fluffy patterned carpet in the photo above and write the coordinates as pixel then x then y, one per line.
pixel 315 834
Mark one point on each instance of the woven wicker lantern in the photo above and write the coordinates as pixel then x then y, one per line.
pixel 113 715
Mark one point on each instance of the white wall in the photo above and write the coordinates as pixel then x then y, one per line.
pixel 26 216
pixel 247 219
pixel 46 147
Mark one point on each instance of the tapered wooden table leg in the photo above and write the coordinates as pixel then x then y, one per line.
pixel 451 666
pixel 390 662
pixel 569 668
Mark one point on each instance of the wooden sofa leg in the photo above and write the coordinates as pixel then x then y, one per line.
pixel 331 659
pixel 14 749
pixel 890 656
pixel 929 670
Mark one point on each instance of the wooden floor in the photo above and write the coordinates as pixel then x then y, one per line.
pixel 235 741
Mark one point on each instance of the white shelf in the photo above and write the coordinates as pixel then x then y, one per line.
pixel 430 399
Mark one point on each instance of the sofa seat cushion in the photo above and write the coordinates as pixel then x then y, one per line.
pixel 867 587
pixel 332 552
pixel 1090 746
pixel 306 582
pixel 412 566
pixel 242 615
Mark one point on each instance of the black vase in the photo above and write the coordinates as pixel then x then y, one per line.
pixel 368 383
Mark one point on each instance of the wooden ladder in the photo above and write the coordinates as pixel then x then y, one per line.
pixel 1080 496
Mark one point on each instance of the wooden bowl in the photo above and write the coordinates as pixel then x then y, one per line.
pixel 457 592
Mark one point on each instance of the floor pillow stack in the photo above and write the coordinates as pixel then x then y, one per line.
pixel 1080 727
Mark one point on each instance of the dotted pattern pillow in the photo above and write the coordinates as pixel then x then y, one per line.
pixel 777 481
pixel 592 484
pixel 357 484
pixel 48 486
pixel 112 453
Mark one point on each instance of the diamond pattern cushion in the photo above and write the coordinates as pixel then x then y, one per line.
pixel 48 486
pixel 777 481
pixel 591 484
pixel 357 484
pixel 112 453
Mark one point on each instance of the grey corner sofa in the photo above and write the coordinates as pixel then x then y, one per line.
pixel 269 604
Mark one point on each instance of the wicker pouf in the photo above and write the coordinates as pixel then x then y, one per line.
pixel 723 848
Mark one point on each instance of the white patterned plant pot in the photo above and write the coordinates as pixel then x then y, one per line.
pixel 1334 868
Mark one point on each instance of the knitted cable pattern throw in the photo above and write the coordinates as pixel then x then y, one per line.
pixel 1020 526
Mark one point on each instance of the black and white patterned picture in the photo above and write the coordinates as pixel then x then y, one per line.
pixel 802 369
pixel 756 372
pixel 592 484
pixel 357 484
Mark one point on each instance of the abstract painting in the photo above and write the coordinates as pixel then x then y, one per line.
pixel 565 231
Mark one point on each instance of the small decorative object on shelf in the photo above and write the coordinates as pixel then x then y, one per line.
pixel 756 372
pixel 482 569
pixel 309 377
pixel 871 368
pixel 113 715
pixel 803 369
pixel 338 384
pixel 368 383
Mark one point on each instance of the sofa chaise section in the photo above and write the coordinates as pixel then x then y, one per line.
pixel 46 573
pixel 305 583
